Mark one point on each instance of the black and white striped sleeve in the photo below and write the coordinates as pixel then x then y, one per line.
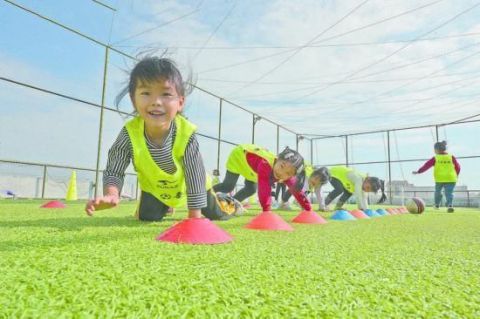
pixel 119 157
pixel 195 176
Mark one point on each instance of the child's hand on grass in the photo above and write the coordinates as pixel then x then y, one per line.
pixel 101 203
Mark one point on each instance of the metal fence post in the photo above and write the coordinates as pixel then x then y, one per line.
pixel 219 133
pixel 389 169
pixel 311 151
pixel 44 180
pixel 346 150
pixel 278 139
pixel 100 128
pixel 254 120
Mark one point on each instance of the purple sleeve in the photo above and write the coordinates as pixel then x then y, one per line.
pixel 456 164
pixel 299 194
pixel 428 164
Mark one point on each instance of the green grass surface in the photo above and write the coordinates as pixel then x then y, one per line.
pixel 62 263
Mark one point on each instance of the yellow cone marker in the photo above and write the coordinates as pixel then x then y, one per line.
pixel 72 187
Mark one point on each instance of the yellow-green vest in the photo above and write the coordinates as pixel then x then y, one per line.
pixel 340 173
pixel 308 170
pixel 237 161
pixel 168 188
pixel 444 170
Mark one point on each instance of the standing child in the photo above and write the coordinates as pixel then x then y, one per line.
pixel 445 173
pixel 257 164
pixel 162 145
pixel 347 181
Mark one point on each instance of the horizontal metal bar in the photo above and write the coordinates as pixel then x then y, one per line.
pixel 127 55
pixel 394 161
pixel 104 5
pixel 321 137
pixel 53 166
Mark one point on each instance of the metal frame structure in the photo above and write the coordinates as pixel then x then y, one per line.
pixel 103 106
pixel 221 101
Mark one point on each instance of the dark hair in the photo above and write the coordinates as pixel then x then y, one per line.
pixel 152 68
pixel 323 174
pixel 378 184
pixel 440 146
pixel 296 159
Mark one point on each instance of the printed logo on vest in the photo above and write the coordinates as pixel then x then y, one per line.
pixel 165 184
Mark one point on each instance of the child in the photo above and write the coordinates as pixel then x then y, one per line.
pixel 445 173
pixel 279 188
pixel 257 164
pixel 215 179
pixel 162 145
pixel 317 179
pixel 346 181
pixel 286 193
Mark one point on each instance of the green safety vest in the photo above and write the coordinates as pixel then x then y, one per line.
pixel 237 161
pixel 308 170
pixel 170 189
pixel 444 170
pixel 340 173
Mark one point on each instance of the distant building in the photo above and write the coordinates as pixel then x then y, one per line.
pixel 403 189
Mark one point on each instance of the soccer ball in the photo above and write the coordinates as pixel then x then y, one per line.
pixel 415 205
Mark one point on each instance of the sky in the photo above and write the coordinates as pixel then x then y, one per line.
pixel 316 67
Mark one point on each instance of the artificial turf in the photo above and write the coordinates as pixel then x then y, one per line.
pixel 60 263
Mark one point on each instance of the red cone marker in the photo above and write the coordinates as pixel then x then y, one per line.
pixel 309 217
pixel 53 204
pixel 268 221
pixel 195 231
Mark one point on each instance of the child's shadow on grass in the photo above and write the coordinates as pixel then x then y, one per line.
pixel 60 232
pixel 78 223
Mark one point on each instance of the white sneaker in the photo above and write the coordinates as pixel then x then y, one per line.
pixel 285 206
pixel 275 205
pixel 239 209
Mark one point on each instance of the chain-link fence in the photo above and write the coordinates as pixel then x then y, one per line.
pixel 74 122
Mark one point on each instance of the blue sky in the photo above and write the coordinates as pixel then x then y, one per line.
pixel 301 64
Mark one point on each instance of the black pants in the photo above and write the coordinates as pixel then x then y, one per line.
pixel 337 190
pixel 285 192
pixel 151 209
pixel 229 183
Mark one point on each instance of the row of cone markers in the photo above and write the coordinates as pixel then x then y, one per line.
pixel 204 231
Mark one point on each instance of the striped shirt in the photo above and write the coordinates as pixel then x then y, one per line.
pixel 121 153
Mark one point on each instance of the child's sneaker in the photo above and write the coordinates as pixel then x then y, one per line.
pixel 285 206
pixel 450 209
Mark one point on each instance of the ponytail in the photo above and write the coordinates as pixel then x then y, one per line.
pixel 384 196
pixel 378 184
pixel 440 146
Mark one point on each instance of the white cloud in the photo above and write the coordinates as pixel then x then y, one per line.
pixel 338 107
